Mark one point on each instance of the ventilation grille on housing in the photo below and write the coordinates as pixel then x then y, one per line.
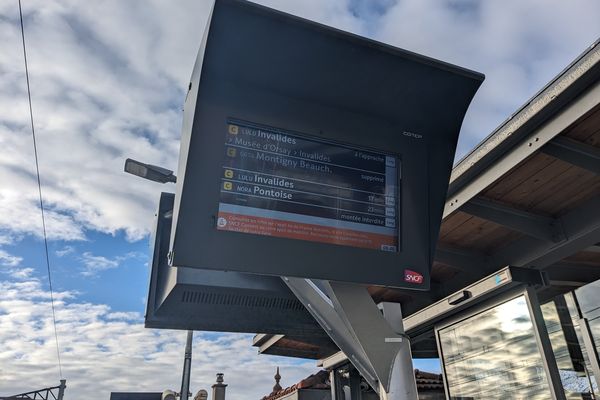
pixel 227 299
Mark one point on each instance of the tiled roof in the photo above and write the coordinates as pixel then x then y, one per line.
pixel 320 380
pixel 426 381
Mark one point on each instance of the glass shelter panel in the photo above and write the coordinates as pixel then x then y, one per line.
pixel 575 372
pixel 588 298
pixel 494 355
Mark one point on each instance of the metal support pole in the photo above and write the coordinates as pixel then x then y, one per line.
pixel 541 333
pixel 402 381
pixel 335 380
pixel 355 392
pixel 61 389
pixel 588 342
pixel 321 308
pixel 187 367
pixel 379 350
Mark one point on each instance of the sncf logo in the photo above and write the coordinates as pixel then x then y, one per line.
pixel 412 277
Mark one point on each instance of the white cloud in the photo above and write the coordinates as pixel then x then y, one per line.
pixel 65 251
pixel 8 260
pixel 21 273
pixel 93 264
pixel 336 13
pixel 6 239
pixel 97 99
pixel 12 266
pixel 104 351
pixel 509 41
pixel 108 82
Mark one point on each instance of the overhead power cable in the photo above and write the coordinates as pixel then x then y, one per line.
pixel 37 169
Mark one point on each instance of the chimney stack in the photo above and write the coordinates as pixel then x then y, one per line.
pixel 219 388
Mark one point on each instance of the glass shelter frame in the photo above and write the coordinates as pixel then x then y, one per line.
pixel 539 332
pixel 587 316
pixel 571 349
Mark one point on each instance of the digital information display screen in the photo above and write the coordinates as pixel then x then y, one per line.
pixel 277 183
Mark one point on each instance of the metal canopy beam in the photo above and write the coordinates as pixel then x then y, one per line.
pixel 535 225
pixel 321 308
pixel 581 227
pixel 461 259
pixel 533 143
pixel 574 152
pixel 270 342
pixel 383 341
pixel 573 272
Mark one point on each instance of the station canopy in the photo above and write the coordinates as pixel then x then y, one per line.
pixel 527 196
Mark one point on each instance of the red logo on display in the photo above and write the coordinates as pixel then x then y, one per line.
pixel 412 277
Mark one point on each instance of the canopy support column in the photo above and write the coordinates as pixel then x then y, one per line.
pixel 374 341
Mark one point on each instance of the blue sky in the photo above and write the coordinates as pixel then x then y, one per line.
pixel 108 82
pixel 104 269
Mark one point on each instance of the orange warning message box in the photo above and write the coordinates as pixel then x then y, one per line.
pixel 301 231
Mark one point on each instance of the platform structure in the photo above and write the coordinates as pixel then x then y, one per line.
pixel 314 172
pixel 528 197
pixel 315 176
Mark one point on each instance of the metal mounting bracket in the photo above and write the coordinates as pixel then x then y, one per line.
pixel 373 339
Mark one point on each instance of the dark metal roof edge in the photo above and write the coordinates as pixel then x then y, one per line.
pixel 490 148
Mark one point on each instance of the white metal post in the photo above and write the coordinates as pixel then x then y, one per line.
pixel 378 349
pixel 545 346
pixel 402 382
pixel 187 367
